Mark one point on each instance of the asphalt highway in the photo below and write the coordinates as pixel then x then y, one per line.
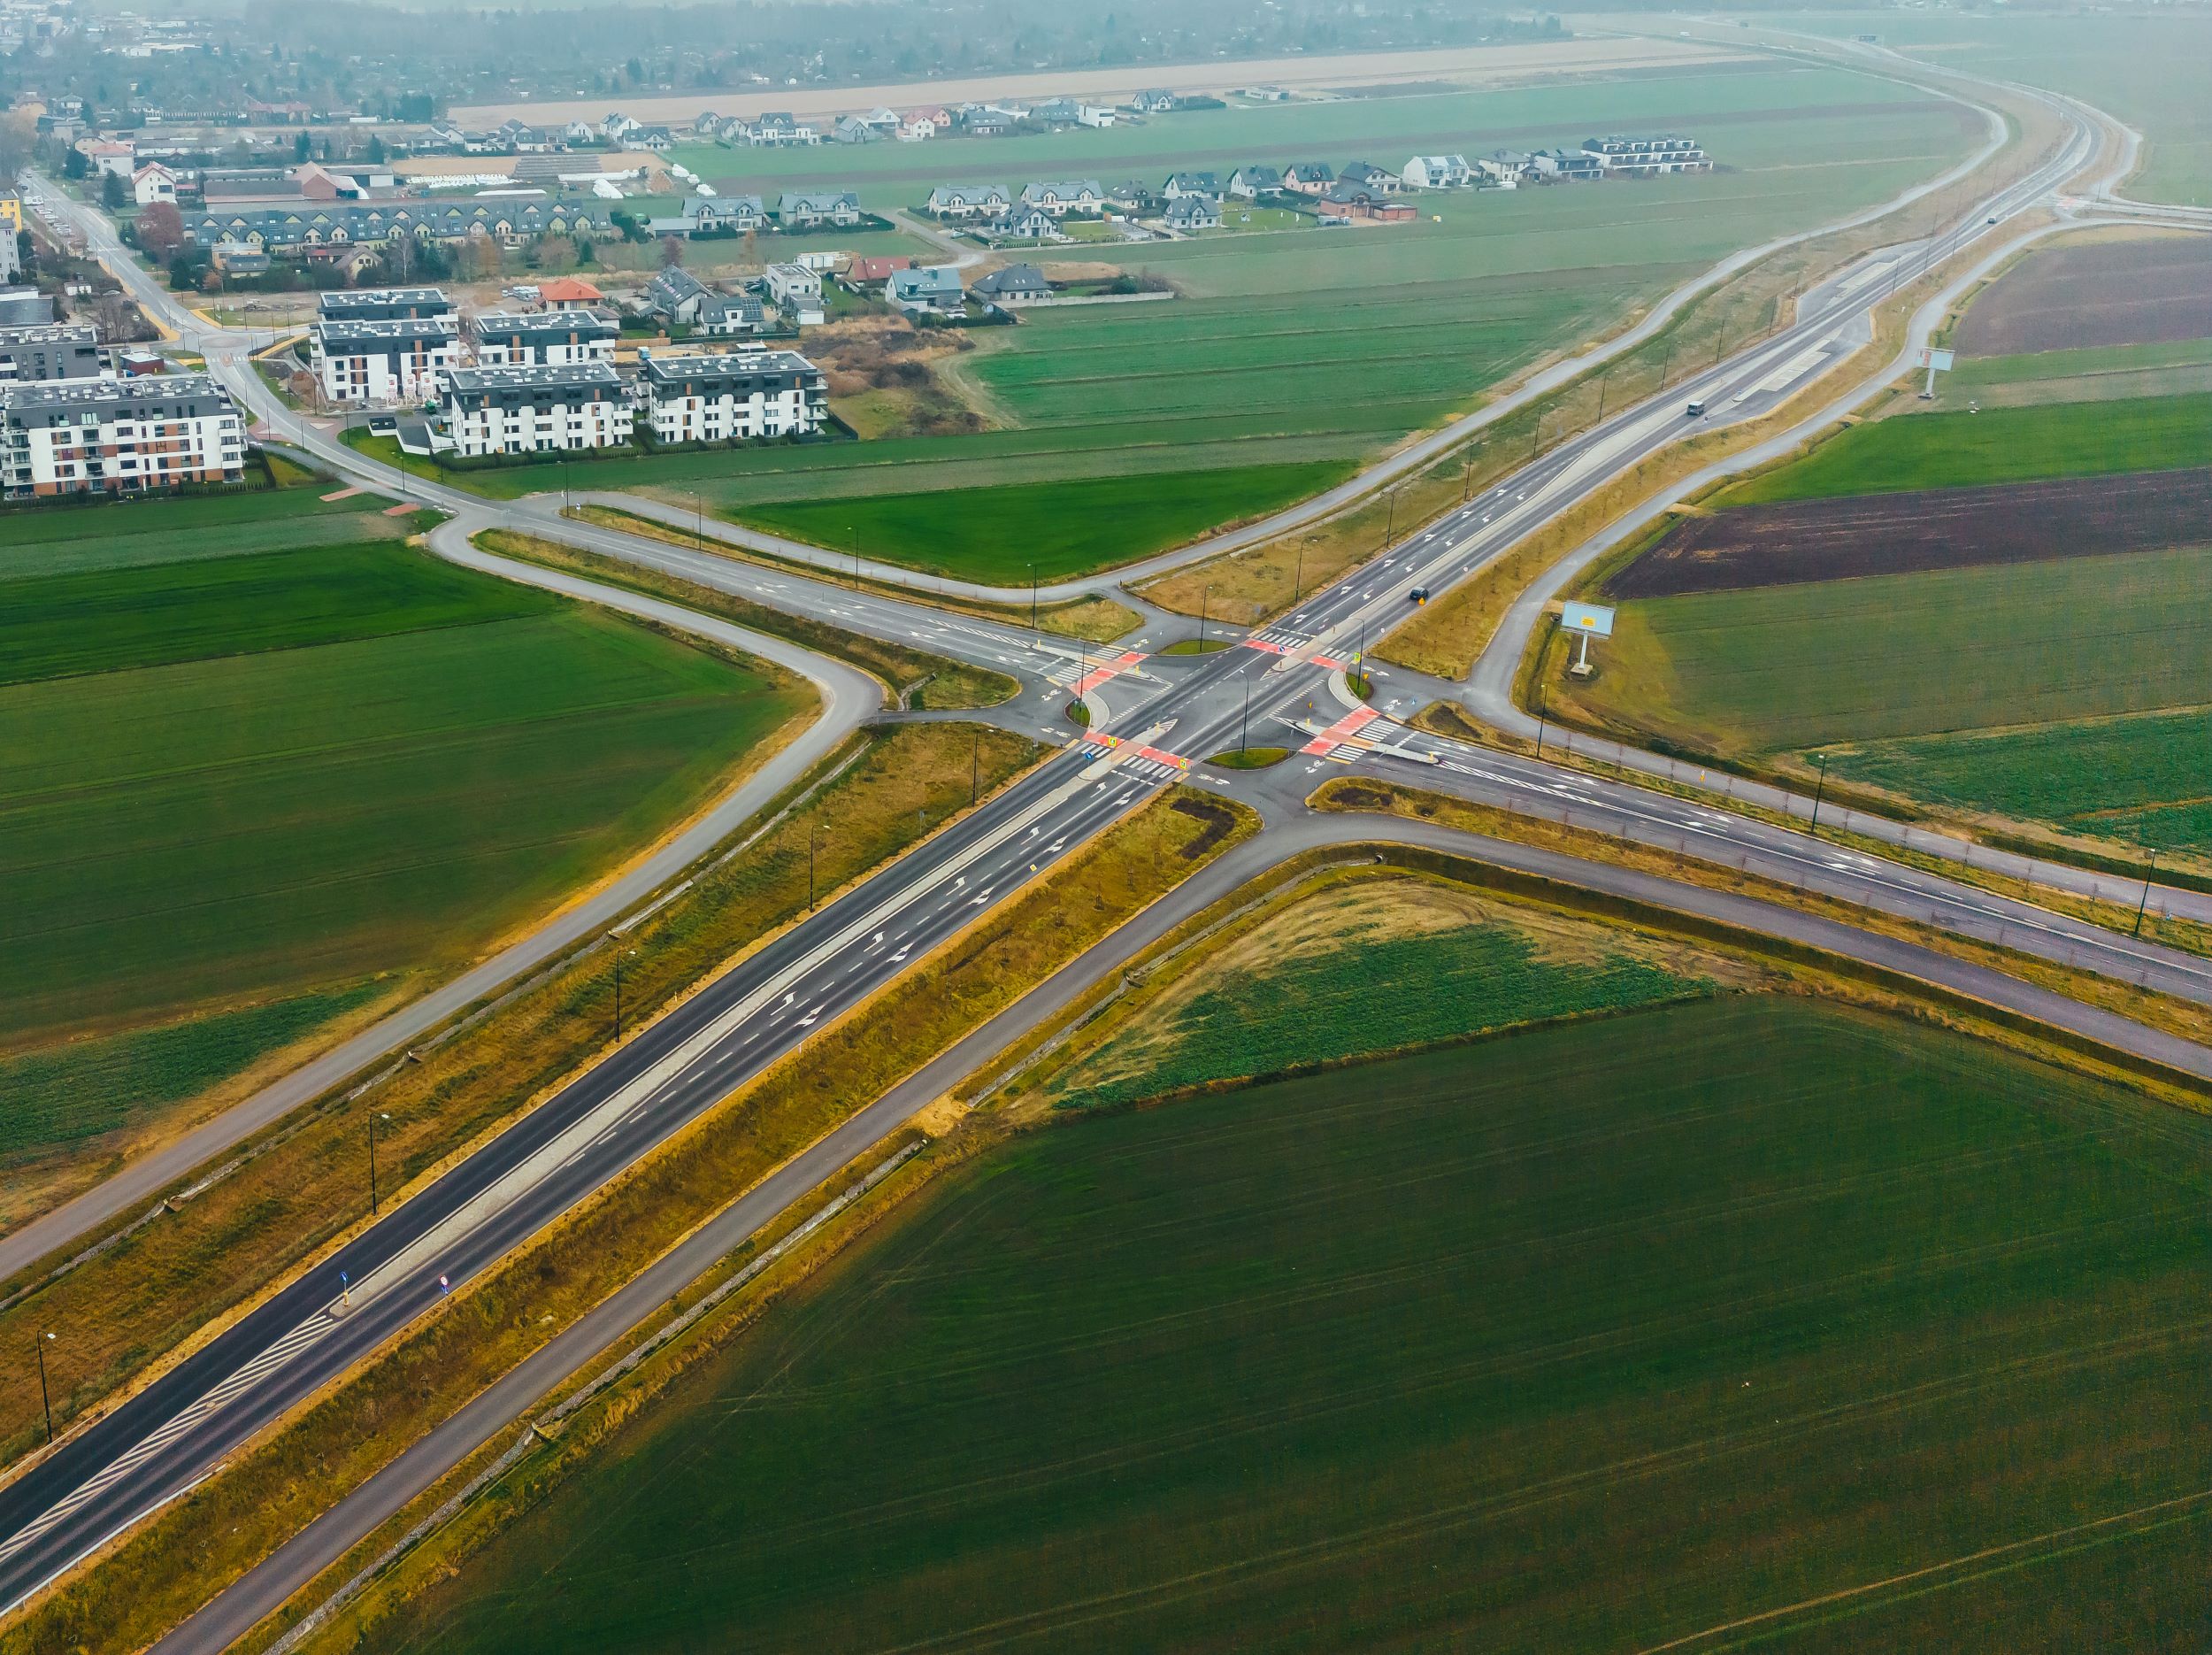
pixel 157 1444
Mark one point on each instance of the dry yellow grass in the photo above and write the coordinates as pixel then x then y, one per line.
pixel 174 1563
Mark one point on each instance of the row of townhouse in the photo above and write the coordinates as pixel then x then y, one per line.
pixel 708 214
pixel 118 436
pixel 719 397
pixel 510 219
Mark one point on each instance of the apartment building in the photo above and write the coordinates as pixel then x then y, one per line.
pixel 383 304
pixel 49 350
pixel 382 361
pixel 529 409
pixel 118 436
pixel 1646 158
pixel 720 398
pixel 552 339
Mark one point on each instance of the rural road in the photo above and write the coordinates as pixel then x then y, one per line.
pixel 108 1474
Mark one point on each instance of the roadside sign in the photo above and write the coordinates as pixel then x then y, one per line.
pixel 1595 619
pixel 1939 361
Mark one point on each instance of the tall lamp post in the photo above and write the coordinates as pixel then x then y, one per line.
pixel 45 1397
pixel 1204 598
pixel 373 1120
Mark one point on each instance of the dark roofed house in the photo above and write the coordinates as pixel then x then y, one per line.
pixel 674 297
pixel 1016 284
pixel 1190 184
pixel 1192 212
pixel 1248 183
pixel 806 209
pixel 1309 178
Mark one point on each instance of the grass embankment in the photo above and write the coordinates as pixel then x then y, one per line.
pixel 1121 1381
pixel 915 678
pixel 168 1568
pixel 1099 619
pixel 1249 758
pixel 1265 580
pixel 2185 1018
pixel 1956 449
pixel 307 1183
pixel 1052 531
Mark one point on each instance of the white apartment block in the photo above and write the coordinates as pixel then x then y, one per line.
pixel 118 436
pixel 550 339
pixel 723 398
pixel 793 284
pixel 529 409
pixel 383 361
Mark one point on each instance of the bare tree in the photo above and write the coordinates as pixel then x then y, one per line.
pixel 161 229
pixel 672 252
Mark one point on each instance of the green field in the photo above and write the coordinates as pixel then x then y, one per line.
pixel 2140 780
pixel 2147 66
pixel 1301 345
pixel 1294 1007
pixel 1552 1343
pixel 235 789
pixel 1957 449
pixel 1053 529
pixel 1917 654
pixel 2176 368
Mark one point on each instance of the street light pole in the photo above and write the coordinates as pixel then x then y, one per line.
pixel 1244 728
pixel 854 534
pixel 1818 791
pixel 1204 598
pixel 45 1397
pixel 373 1197
pixel 975 768
pixel 2145 902
pixel 813 832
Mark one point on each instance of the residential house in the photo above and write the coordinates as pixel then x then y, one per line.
pixel 729 397
pixel 1153 103
pixel 934 289
pixel 918 126
pixel 382 361
pixel 1309 178
pixel 1505 168
pixel 781 130
pixel 1356 201
pixel 1099 115
pixel 617 126
pixel 1647 157
pixel 1437 172
pixel 711 215
pixel 562 293
pixel 1250 183
pixel 968 201
pixel 791 285
pixel 1192 212
pixel 1179 184
pixel 580 132
pixel 1380 180
pixel 154 182
pixel 730 316
pixel 1015 284
pixel 1026 224
pixel 1060 197
pixel 1567 166
pixel 130 435
pixel 1058 113
pixel 118 157
pixel 511 219
pixel 875 271
pixel 882 121
pixel 529 409
pixel 809 209
pixel 852 129
pixel 987 123
pixel 547 339
pixel 239 258
pixel 657 140
pixel 673 297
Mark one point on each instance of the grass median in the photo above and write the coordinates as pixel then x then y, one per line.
pixel 915 678
pixel 168 1568
pixel 304 1184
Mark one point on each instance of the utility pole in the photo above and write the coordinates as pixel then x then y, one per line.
pixel 1604 379
pixel 2145 902
pixel 856 538
pixel 1298 581
pixel 1467 480
pixel 1541 709
pixel 1666 362
pixel 45 1397
pixel 373 1197
pixel 620 955
pixel 1032 602
pixel 1390 524
pixel 1203 599
pixel 813 831
pixel 975 768
pixel 1818 791
pixel 1244 729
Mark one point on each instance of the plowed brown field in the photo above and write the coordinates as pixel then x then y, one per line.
pixel 1934 529
pixel 2111 293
